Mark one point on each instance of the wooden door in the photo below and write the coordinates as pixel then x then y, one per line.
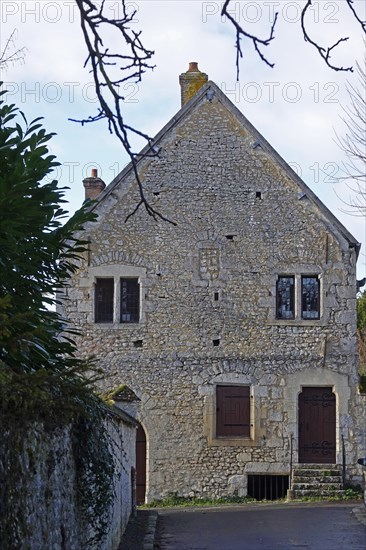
pixel 317 426
pixel 140 465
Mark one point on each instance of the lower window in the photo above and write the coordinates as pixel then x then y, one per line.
pixel 232 411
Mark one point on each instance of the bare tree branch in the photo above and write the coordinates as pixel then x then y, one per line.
pixel 353 144
pixel 325 53
pixel 255 39
pixel 7 56
pixel 110 71
pixel 362 23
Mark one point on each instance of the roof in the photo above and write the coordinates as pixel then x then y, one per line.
pixel 208 92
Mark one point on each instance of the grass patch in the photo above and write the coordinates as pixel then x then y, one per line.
pixel 175 500
pixel 350 493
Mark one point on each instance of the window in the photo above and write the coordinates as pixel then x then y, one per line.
pixel 104 300
pixel 130 301
pixel 310 297
pixel 285 293
pixel 298 297
pixel 232 411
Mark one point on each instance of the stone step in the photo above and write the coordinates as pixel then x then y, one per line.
pixel 317 467
pixel 315 472
pixel 316 493
pixel 317 479
pixel 317 487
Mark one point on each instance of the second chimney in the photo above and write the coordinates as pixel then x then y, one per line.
pixel 93 185
pixel 191 81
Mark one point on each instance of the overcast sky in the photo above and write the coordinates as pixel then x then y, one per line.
pixel 297 105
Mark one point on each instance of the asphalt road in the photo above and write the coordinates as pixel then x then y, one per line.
pixel 319 526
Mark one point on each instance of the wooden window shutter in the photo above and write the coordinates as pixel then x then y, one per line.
pixel 233 411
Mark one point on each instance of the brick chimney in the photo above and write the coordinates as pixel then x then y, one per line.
pixel 93 185
pixel 191 81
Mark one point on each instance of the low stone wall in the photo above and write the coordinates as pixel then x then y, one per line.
pixel 39 489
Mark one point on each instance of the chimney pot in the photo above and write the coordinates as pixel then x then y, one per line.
pixel 191 81
pixel 93 185
pixel 193 67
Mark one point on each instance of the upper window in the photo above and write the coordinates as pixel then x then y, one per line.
pixel 232 411
pixel 130 301
pixel 125 308
pixel 310 303
pixel 298 297
pixel 104 289
pixel 285 297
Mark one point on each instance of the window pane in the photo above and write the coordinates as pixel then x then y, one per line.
pixel 130 301
pixel 233 411
pixel 285 298
pixel 104 301
pixel 310 307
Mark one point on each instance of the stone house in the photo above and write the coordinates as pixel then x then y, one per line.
pixel 235 328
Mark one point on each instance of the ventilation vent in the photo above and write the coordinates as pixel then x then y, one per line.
pixel 216 342
pixel 216 296
pixel 267 487
pixel 138 343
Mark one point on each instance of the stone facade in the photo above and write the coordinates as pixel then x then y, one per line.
pixel 208 302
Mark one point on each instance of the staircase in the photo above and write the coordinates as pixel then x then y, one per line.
pixel 317 480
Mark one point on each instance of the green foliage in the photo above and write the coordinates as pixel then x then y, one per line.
pixel 95 467
pixel 42 381
pixel 38 250
pixel 353 493
pixel 361 313
pixel 361 339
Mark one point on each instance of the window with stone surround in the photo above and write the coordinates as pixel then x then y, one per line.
pixel 233 411
pixel 298 297
pixel 117 300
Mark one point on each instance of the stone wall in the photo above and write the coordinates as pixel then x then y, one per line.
pixel 208 303
pixel 46 513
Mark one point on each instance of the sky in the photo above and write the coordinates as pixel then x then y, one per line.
pixel 297 105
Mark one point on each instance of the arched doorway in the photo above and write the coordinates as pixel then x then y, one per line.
pixel 317 426
pixel 140 465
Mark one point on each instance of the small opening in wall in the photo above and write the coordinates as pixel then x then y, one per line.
pixel 156 193
pixel 216 296
pixel 230 237
pixel 138 343
pixel 216 342
pixel 258 195
pixel 267 487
